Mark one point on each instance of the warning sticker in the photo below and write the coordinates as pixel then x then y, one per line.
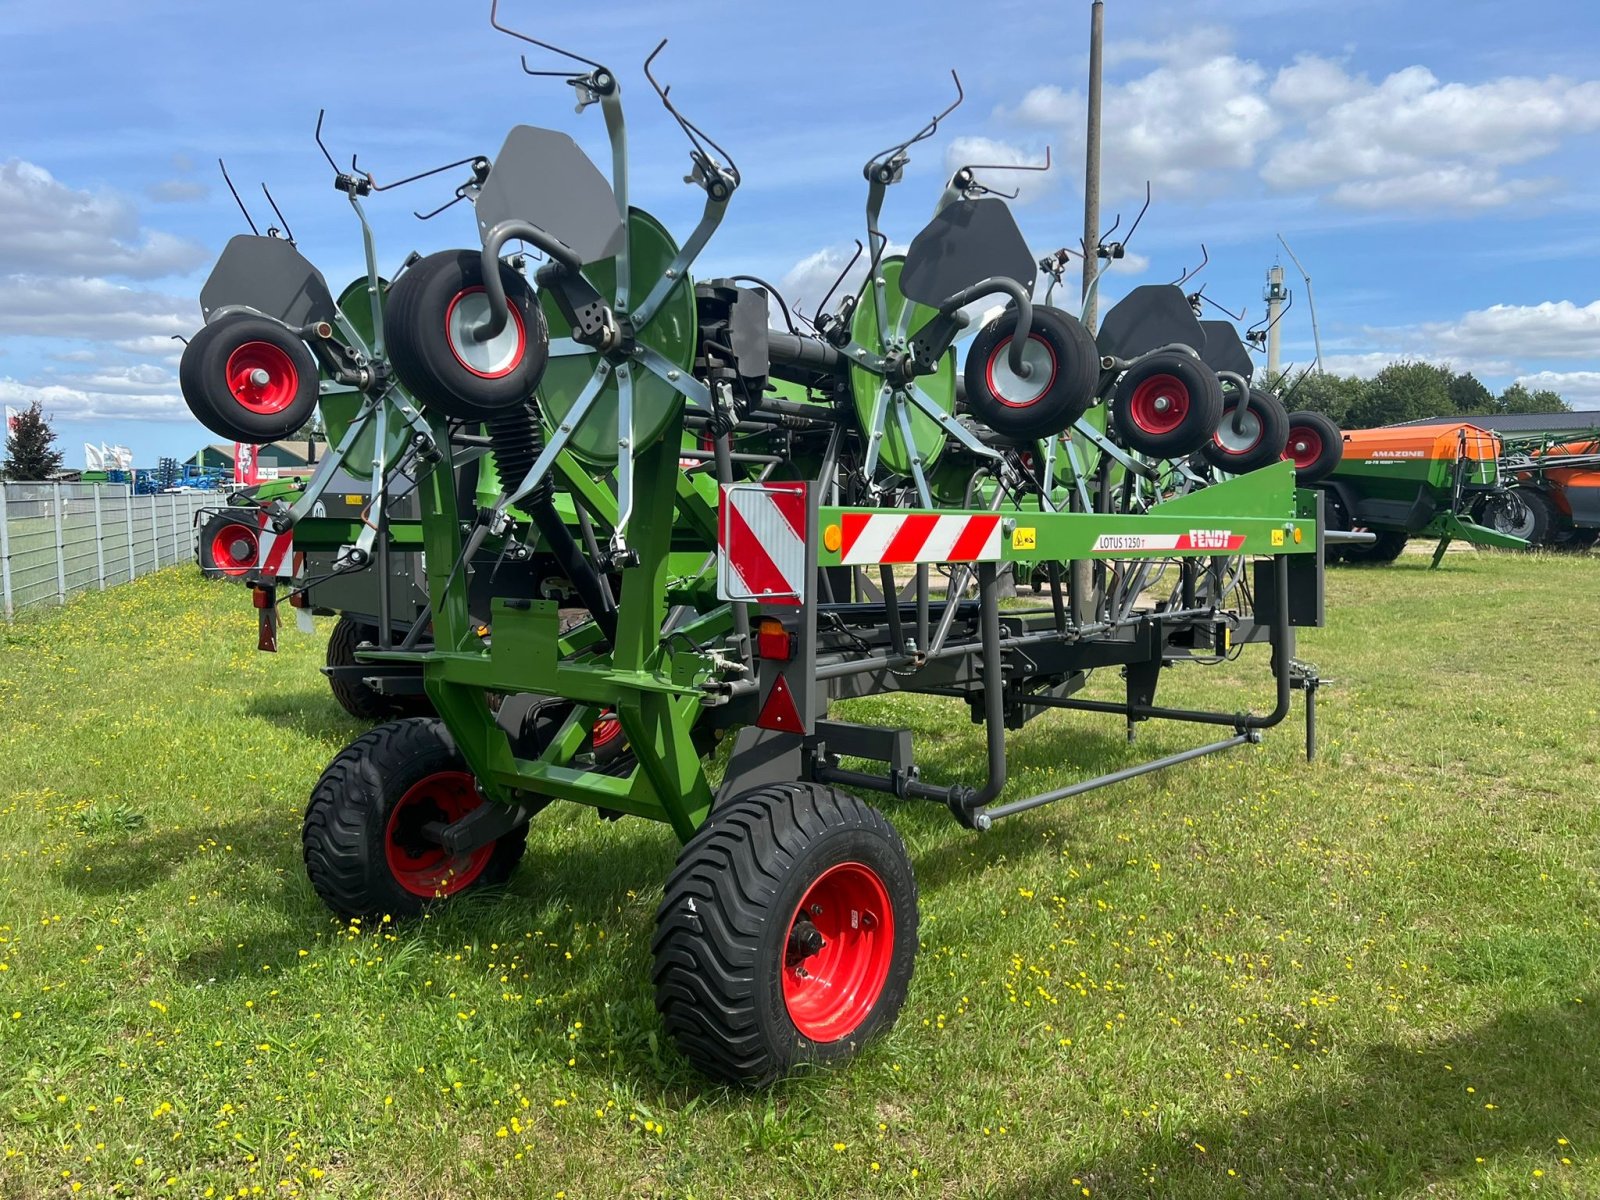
pixel 1025 539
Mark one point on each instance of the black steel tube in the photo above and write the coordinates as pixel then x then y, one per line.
pixel 891 604
pixel 1077 789
pixel 994 685
pixel 814 354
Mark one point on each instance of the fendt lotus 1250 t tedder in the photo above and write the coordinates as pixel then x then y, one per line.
pixel 753 523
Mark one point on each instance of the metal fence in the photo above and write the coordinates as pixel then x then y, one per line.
pixel 59 539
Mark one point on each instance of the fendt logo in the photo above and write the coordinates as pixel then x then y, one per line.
pixel 1213 539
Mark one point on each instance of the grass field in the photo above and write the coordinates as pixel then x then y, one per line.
pixel 1248 976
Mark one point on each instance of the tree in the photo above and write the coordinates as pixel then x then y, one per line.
pixel 30 454
pixel 1469 395
pixel 1404 391
pixel 1332 395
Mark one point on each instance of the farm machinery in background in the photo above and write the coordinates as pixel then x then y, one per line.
pixel 1505 482
pixel 653 521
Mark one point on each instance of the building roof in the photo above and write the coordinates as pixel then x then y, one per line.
pixel 281 454
pixel 1567 422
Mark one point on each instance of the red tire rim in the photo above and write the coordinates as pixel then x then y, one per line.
pixel 837 953
pixel 1159 404
pixel 501 354
pixel 606 730
pixel 262 378
pixel 1305 447
pixel 1011 389
pixel 233 549
pixel 423 867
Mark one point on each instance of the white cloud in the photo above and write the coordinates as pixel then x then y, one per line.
pixel 1579 389
pixel 78 404
pixel 1554 329
pixel 91 310
pixel 48 227
pixel 1364 366
pixel 1412 141
pixel 807 282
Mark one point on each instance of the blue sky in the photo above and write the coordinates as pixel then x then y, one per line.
pixel 1433 162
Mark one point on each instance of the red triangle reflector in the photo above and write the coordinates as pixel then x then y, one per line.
pixel 779 712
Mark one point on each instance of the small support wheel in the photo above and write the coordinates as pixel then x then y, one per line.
pixel 354 696
pixel 1063 369
pixel 787 933
pixel 1167 405
pixel 248 379
pixel 1249 440
pixel 1315 446
pixel 367 847
pixel 227 544
pixel 433 309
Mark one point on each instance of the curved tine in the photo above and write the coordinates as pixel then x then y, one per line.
pixel 472 161
pixel 321 145
pixel 494 20
pixel 928 130
pixel 695 134
pixel 1267 323
pixel 823 307
pixel 461 194
pixel 1134 228
pixel 1208 300
pixel 287 232
pixel 1011 166
pixel 236 199
pixel 1205 257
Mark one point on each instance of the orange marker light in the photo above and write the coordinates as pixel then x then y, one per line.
pixel 832 538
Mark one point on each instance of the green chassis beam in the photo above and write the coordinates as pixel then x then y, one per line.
pixel 1261 508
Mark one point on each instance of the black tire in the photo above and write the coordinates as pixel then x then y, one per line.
pixel 373 797
pixel 730 933
pixel 355 697
pixel 1315 446
pixel 1066 370
pixel 1260 442
pixel 1575 541
pixel 248 379
pixel 1523 512
pixel 1335 520
pixel 1388 547
pixel 1167 405
pixel 227 545
pixel 429 360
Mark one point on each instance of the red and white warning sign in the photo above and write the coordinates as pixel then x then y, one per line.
pixel 273 549
pixel 761 543
pixel 1219 540
pixel 870 538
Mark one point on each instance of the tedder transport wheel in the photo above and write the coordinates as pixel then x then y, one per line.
pixel 366 850
pixel 227 544
pixel 248 379
pixel 354 696
pixel 1522 512
pixel 1315 447
pixel 1259 440
pixel 433 308
pixel 787 933
pixel 1167 405
pixel 1064 369
pixel 1385 550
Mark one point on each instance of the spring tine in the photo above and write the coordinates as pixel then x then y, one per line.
pixel 236 199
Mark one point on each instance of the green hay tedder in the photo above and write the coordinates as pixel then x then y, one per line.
pixel 653 523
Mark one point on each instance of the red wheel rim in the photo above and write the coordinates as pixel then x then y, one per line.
pixel 501 354
pixel 1023 393
pixel 233 549
pixel 606 730
pixel 418 865
pixel 1305 447
pixel 1159 404
pixel 262 377
pixel 831 989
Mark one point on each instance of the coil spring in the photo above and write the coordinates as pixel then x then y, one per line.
pixel 517 439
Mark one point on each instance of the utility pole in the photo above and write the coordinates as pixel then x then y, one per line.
pixel 1091 166
pixel 1274 295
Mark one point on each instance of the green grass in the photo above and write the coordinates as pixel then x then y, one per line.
pixel 1373 975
